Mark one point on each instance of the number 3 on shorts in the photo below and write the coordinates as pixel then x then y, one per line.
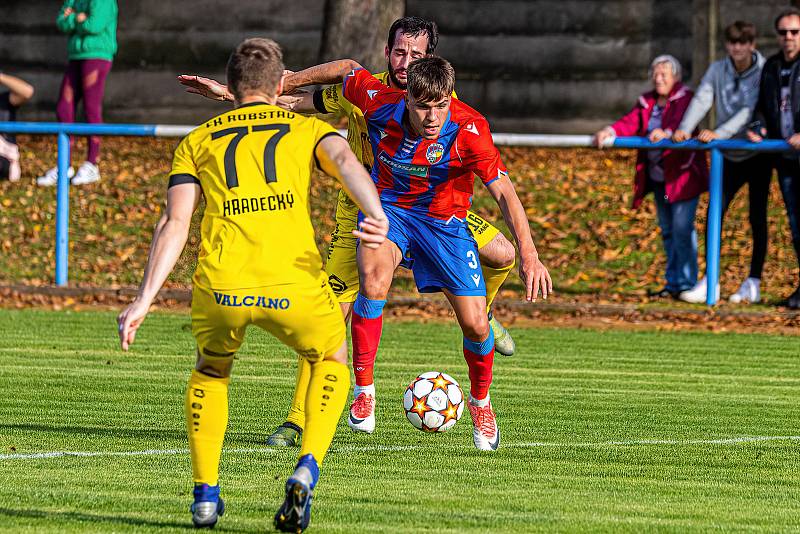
pixel 473 261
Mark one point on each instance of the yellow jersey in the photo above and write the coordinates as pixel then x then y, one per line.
pixel 254 165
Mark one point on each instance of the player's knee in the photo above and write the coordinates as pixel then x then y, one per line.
pixel 477 328
pixel 375 284
pixel 214 364
pixel 499 253
pixel 339 356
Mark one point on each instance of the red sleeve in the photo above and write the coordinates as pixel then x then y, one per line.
pixel 360 87
pixel 480 155
pixel 629 123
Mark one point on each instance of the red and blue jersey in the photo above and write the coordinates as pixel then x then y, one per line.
pixel 432 177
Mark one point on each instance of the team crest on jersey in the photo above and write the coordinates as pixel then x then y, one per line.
pixel 434 153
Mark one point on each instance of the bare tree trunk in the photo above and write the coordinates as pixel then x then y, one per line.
pixel 357 29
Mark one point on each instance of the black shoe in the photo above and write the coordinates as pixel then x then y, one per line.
pixel 792 301
pixel 662 293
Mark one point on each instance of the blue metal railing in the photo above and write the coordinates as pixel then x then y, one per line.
pixel 63 131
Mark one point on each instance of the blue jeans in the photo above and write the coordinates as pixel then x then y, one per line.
pixel 676 221
pixel 789 180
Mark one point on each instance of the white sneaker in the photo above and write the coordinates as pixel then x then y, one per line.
pixel 697 295
pixel 362 414
pixel 88 173
pixel 50 178
pixel 749 291
pixel 485 433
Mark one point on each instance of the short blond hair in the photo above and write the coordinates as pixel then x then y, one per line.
pixel 255 65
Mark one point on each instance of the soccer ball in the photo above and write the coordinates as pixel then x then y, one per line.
pixel 433 402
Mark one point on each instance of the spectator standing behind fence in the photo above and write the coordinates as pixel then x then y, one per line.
pixel 732 84
pixel 91 26
pixel 676 177
pixel 13 93
pixel 776 117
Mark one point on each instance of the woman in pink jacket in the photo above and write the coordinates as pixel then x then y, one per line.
pixel 676 177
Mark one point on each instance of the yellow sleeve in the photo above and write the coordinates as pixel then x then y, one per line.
pixel 184 169
pixel 331 100
pixel 321 131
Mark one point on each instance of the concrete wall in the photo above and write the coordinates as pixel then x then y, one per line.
pixel 544 65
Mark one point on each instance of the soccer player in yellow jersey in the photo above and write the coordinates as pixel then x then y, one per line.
pixel 258 264
pixel 409 38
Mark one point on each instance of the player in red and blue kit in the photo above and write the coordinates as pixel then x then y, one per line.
pixel 427 148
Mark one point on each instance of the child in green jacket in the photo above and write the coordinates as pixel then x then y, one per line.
pixel 91 27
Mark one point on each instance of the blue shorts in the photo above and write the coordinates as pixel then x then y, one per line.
pixel 443 254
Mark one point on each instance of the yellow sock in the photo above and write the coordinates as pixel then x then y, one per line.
pixel 206 421
pixel 327 394
pixel 297 413
pixel 494 279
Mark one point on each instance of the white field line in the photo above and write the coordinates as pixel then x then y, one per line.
pixel 390 448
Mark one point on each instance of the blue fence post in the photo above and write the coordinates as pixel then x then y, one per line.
pixel 714 225
pixel 62 210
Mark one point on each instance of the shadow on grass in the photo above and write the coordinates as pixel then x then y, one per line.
pixel 52 516
pixel 241 438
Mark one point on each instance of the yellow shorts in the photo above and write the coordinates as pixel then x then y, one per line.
pixel 305 317
pixel 341 263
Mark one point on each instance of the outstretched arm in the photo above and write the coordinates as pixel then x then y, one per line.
pixel 336 158
pixel 326 73
pixel 169 238
pixel 206 87
pixel 533 273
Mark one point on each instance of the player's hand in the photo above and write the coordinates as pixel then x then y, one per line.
pixel 205 87
pixel 794 141
pixel 372 232
pixel 680 136
pixel 706 136
pixel 129 321
pixel 657 135
pixel 286 72
pixel 536 278
pixel 80 17
pixel 68 11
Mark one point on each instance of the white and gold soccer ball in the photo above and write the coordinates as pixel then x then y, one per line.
pixel 433 402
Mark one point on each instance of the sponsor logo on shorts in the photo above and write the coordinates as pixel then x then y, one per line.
pixel 434 153
pixel 337 284
pixel 477 279
pixel 251 301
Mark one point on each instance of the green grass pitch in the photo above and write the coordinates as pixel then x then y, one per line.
pixel 601 431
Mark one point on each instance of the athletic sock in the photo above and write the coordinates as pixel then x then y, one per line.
pixel 206 421
pixel 480 357
pixel 365 328
pixel 479 402
pixel 368 389
pixel 494 279
pixel 327 394
pixel 297 412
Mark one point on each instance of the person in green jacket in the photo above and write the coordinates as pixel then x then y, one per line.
pixel 91 27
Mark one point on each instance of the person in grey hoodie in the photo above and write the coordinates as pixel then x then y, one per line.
pixel 732 84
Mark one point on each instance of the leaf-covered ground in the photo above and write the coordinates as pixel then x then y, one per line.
pixel 578 202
